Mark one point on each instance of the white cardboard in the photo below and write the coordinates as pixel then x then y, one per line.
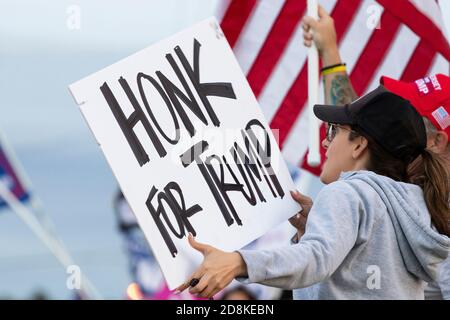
pixel 217 64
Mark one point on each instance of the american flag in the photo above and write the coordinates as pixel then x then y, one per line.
pixel 401 39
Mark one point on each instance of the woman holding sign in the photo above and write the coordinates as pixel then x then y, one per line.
pixel 378 229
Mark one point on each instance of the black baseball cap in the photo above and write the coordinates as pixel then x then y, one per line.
pixel 385 117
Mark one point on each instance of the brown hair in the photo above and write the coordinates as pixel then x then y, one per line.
pixel 427 171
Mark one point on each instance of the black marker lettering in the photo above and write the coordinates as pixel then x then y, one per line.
pixel 193 155
pixel 163 95
pixel 127 124
pixel 171 95
pixel 250 197
pixel 179 211
pixel 264 153
pixel 222 186
pixel 218 89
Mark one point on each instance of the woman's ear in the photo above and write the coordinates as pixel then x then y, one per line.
pixel 361 145
pixel 439 142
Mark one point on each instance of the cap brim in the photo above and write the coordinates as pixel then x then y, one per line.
pixel 333 114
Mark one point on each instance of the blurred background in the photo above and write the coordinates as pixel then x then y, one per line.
pixel 41 53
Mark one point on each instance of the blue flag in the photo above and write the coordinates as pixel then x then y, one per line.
pixel 11 178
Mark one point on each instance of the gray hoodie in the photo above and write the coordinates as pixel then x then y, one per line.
pixel 367 237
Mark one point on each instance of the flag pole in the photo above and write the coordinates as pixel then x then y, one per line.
pixel 43 219
pixel 313 94
pixel 53 245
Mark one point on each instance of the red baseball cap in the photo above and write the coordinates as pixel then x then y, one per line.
pixel 430 96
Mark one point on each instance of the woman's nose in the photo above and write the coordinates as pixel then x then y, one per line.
pixel 325 143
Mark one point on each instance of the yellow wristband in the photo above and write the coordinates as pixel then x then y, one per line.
pixel 334 70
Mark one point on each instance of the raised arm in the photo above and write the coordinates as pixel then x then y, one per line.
pixel 337 86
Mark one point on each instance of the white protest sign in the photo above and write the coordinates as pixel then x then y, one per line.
pixel 189 146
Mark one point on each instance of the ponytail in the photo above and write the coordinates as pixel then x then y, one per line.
pixel 428 171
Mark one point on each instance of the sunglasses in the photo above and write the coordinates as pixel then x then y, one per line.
pixel 332 131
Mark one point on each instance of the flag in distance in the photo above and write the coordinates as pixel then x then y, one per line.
pixel 10 176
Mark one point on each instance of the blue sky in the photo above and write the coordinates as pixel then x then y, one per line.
pixel 39 57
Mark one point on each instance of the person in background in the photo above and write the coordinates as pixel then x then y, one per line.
pixel 429 95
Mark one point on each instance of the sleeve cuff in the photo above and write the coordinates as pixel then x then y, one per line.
pixel 255 263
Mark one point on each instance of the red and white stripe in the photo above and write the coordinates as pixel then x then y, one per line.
pixel 267 40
